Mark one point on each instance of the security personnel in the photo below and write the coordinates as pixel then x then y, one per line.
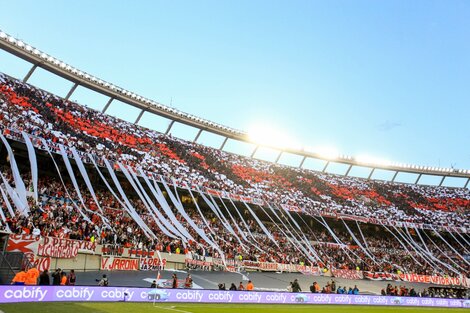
pixel 32 276
pixel 19 278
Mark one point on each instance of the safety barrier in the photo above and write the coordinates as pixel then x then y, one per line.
pixel 13 294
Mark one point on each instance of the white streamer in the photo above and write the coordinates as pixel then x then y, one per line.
pixel 19 184
pixel 33 163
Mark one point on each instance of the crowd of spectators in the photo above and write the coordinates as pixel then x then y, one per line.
pixel 24 107
pixel 40 114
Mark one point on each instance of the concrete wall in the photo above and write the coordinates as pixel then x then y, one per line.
pixel 92 262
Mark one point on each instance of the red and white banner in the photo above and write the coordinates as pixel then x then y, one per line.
pixel 380 276
pixel 119 264
pixel 233 196
pixel 152 264
pixel 347 274
pixel 198 263
pixel 42 263
pixel 415 278
pixel 28 244
pixel 438 280
pixel 64 248
pixel 297 268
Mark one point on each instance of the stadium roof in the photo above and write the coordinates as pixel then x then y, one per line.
pixel 80 78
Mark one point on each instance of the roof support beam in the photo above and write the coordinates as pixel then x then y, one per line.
pixel 139 117
pixel 442 180
pixel 349 169
pixel 198 134
pixel 71 91
pixel 31 71
pixel 223 143
pixel 326 166
pixel 279 156
pixel 417 179
pixel 371 173
pixel 394 176
pixel 254 151
pixel 466 184
pixel 302 162
pixel 169 127
pixel 107 105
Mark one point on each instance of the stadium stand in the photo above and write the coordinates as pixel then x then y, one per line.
pixel 232 208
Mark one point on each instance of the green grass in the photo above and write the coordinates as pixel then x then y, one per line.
pixel 114 307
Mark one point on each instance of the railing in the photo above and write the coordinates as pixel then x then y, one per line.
pixel 10 263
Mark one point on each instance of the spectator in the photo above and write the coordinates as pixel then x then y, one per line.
pixel 296 286
pixel 44 278
pixel 20 278
pixel 250 286
pixel 72 278
pixel 174 284
pixel 56 276
pixel 103 282
pixel 63 279
pixel 32 276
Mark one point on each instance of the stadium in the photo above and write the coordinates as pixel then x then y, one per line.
pixel 100 214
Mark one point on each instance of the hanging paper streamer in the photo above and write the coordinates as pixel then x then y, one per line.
pixel 455 238
pixel 237 233
pixel 216 211
pixel 145 199
pixel 46 147
pixel 19 184
pixel 176 227
pixel 137 218
pixel 358 243
pixel 72 177
pixel 450 246
pixel 362 236
pixel 426 251
pixel 418 249
pixel 265 230
pixel 439 249
pixel 183 213
pixel 301 235
pixel 129 208
pixel 7 202
pixel 246 225
pixel 33 163
pixel 166 224
pixel 234 222
pixel 292 239
pixel 82 170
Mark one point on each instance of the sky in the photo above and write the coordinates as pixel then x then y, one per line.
pixel 384 79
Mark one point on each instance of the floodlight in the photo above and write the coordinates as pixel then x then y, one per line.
pixel 3 35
